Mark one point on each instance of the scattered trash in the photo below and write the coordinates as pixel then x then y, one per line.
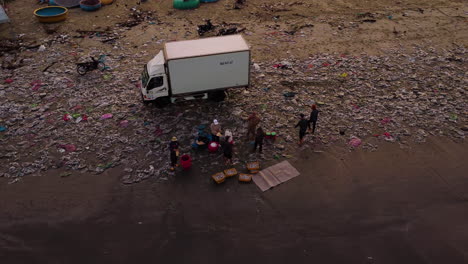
pixel 123 123
pixel 422 95
pixel 68 147
pixel 355 142
pixel 65 174
pixel 229 31
pixel 105 166
pixel 106 116
pixel 67 117
pixel 385 121
pixel 41 48
pixel 289 94
pixel 36 85
pixel 15 180
pixel 256 66
pixel 238 4
pixel 107 77
pixel 280 66
pixel 342 131
pixel 202 29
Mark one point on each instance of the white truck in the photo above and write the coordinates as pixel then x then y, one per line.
pixel 191 69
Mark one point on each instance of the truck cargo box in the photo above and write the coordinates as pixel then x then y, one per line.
pixel 207 64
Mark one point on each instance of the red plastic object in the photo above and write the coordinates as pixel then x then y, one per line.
pixel 213 146
pixel 186 162
pixel 66 117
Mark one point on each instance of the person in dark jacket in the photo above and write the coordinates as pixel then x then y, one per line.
pixel 227 151
pixel 259 139
pixel 303 124
pixel 174 149
pixel 313 118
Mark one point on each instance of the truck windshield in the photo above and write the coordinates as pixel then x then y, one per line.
pixel 144 77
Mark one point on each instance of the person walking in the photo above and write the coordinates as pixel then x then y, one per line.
pixel 227 151
pixel 174 149
pixel 215 130
pixel 259 139
pixel 252 121
pixel 303 124
pixel 313 117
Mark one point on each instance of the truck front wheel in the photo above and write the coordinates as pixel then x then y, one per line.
pixel 217 96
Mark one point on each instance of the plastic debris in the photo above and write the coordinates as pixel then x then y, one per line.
pixel 409 95
pixel 355 142
pixel 106 116
pixel 68 147
pixel 123 123
pixel 67 117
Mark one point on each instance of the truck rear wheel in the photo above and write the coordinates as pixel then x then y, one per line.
pixel 162 101
pixel 217 96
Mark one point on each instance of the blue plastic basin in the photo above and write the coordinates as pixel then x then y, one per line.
pixel 51 11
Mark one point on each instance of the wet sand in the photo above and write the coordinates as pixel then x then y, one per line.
pixel 389 206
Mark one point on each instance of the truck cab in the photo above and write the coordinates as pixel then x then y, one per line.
pixel 154 82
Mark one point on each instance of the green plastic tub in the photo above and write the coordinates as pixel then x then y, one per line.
pixel 187 4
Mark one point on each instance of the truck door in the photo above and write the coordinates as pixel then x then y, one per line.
pixel 157 87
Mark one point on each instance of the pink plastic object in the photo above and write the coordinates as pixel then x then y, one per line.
pixel 355 142
pixel 123 123
pixel 106 116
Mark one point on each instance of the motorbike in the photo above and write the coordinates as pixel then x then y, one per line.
pixel 84 67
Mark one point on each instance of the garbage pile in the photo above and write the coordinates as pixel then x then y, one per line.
pixel 55 119
pixel 397 98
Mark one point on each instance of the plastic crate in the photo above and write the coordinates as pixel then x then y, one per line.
pixel 253 166
pixel 230 172
pixel 219 177
pixel 245 177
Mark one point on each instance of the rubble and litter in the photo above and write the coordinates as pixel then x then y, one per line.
pixel 400 97
pixel 137 17
pixel 207 27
